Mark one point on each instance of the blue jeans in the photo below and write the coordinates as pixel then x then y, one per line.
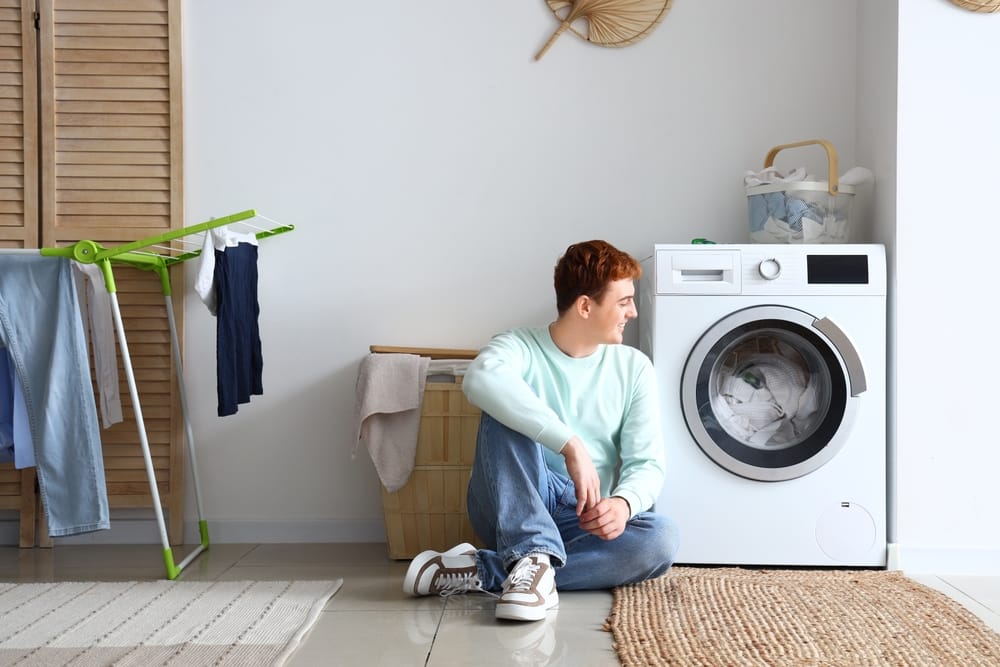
pixel 517 506
pixel 40 326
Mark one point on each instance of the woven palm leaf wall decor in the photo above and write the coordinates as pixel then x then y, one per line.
pixel 984 6
pixel 607 22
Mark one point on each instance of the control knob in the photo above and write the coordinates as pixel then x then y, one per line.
pixel 769 269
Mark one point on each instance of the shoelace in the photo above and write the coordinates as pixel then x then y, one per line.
pixel 453 584
pixel 522 577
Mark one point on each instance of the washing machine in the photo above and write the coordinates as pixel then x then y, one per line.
pixel 771 366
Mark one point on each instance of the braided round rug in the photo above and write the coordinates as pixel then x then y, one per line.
pixel 772 618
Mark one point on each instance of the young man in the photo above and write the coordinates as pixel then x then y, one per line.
pixel 569 456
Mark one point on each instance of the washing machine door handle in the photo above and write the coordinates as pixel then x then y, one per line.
pixel 840 340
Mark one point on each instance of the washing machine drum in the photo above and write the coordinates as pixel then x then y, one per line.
pixel 769 392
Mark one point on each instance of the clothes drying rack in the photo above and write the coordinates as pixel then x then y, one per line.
pixel 137 255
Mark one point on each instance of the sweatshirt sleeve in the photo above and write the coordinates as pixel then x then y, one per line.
pixel 495 383
pixel 643 460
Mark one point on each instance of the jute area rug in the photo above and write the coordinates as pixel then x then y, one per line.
pixel 748 617
pixel 157 622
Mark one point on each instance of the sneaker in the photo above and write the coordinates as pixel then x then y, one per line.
pixel 443 573
pixel 529 591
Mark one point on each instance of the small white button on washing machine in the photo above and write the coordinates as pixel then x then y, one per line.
pixel 769 269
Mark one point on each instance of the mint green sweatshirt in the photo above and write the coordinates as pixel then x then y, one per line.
pixel 609 399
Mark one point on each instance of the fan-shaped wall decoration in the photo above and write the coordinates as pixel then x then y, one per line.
pixel 608 22
pixel 985 6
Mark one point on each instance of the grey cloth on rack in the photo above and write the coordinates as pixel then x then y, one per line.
pixel 99 329
pixel 390 391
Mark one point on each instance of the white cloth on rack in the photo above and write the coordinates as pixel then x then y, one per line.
pixel 390 391
pixel 95 310
pixel 218 238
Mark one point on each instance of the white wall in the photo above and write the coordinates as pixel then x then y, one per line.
pixel 947 235
pixel 435 172
pixel 876 106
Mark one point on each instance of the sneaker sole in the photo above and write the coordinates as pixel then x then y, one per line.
pixel 417 566
pixel 520 612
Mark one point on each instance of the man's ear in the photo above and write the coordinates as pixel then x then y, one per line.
pixel 583 305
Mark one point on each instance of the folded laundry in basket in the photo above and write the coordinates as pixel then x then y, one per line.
pixel 390 391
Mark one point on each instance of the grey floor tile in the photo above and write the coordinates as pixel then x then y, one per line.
pixel 376 638
pixel 942 584
pixel 303 554
pixel 985 590
pixel 565 637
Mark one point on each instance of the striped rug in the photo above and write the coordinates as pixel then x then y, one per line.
pixel 774 618
pixel 157 622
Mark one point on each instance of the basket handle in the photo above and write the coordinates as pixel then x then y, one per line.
pixel 831 156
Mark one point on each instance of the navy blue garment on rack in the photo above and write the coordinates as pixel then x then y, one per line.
pixel 238 349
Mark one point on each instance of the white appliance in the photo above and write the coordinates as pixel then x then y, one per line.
pixel 771 367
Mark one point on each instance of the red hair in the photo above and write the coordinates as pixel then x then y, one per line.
pixel 586 269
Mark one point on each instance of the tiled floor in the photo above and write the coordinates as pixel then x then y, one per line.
pixel 370 622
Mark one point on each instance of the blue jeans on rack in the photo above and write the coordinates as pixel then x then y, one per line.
pixel 40 325
pixel 517 506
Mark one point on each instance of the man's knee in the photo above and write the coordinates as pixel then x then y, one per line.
pixel 659 542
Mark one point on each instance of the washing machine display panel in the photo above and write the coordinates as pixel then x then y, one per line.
pixel 837 269
pixel 765 394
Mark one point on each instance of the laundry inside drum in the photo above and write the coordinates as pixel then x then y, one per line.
pixel 770 389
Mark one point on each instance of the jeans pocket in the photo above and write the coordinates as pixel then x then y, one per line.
pixel 563 490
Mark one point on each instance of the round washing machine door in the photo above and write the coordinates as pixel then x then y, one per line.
pixel 767 392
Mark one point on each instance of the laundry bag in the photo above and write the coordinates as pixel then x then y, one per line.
pixel 794 207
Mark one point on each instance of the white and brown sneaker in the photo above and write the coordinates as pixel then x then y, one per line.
pixel 529 591
pixel 443 573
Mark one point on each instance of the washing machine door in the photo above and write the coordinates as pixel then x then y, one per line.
pixel 768 392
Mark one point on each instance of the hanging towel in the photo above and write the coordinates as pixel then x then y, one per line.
pixel 95 308
pixel 390 390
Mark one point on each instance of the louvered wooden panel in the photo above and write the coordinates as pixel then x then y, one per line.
pixel 110 115
pixel 18 492
pixel 112 100
pixel 18 194
pixel 18 126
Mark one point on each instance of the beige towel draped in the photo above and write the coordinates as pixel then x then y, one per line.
pixel 390 391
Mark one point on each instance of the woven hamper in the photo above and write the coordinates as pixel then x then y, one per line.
pixel 429 511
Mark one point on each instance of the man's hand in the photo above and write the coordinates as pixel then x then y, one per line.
pixel 583 473
pixel 607 519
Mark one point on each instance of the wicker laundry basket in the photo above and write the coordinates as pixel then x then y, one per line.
pixel 807 211
pixel 429 511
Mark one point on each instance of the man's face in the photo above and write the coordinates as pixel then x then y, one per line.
pixel 609 317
